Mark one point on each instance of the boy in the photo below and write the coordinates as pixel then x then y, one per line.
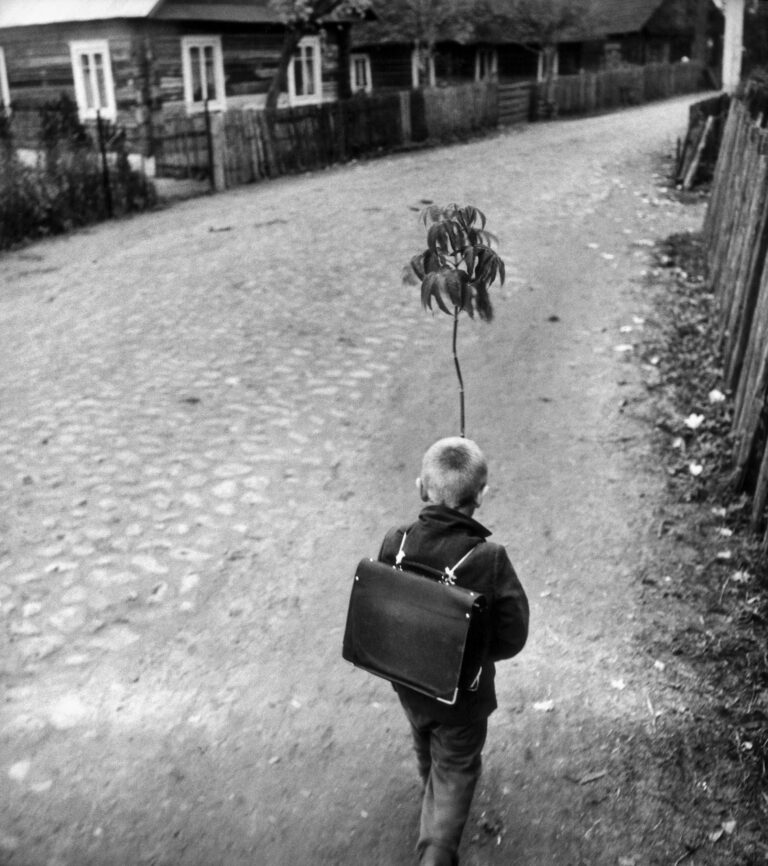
pixel 449 739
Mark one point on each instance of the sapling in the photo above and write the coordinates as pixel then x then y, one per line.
pixel 457 269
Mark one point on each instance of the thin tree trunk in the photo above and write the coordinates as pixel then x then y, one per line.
pixel 290 43
pixel 458 368
pixel 343 71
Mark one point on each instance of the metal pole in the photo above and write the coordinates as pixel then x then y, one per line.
pixel 104 166
pixel 209 139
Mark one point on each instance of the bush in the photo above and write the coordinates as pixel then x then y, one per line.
pixel 72 183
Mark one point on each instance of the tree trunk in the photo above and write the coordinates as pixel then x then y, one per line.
pixel 343 72
pixel 290 43
pixel 549 53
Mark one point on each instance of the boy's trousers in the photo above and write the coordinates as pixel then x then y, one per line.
pixel 450 760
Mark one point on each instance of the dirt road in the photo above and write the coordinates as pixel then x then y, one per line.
pixel 208 414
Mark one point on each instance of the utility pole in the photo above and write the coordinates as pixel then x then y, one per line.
pixel 733 43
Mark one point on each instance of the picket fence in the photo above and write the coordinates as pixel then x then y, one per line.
pixel 736 238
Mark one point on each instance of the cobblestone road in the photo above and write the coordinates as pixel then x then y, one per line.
pixel 197 391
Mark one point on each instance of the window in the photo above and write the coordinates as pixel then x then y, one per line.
pixel 203 69
pixel 486 64
pixel 304 73
pixel 360 73
pixel 5 93
pixel 94 88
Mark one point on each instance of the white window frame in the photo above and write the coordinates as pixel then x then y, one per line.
pixel 5 93
pixel 201 42
pixel 540 66
pixel 365 60
pixel 415 62
pixel 91 48
pixel 313 44
pixel 486 64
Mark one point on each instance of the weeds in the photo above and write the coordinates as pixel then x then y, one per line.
pixel 712 627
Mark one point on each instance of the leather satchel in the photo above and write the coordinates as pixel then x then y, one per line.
pixel 411 625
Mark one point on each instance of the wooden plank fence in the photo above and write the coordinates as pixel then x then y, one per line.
pixel 736 237
pixel 459 111
pixel 590 92
pixel 182 146
pixel 516 102
pixel 242 146
pixel 253 145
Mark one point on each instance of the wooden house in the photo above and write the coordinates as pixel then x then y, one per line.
pixel 135 62
pixel 618 32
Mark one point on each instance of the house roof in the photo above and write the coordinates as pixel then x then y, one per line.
pixel 625 16
pixel 23 13
pixel 610 17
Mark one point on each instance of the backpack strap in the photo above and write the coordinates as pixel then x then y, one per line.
pixel 448 575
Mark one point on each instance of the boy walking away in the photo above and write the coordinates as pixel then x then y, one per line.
pixel 449 739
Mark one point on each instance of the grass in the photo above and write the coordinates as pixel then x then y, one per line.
pixel 705 590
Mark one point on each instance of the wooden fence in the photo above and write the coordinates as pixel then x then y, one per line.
pixel 242 146
pixel 246 145
pixel 590 92
pixel 736 237
pixel 442 113
pixel 516 102
pixel 182 146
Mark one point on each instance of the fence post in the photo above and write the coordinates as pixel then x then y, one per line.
pixel 217 145
pixel 104 166
pixel 405 116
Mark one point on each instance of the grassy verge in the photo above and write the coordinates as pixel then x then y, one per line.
pixel 700 766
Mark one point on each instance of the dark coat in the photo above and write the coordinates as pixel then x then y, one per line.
pixel 440 538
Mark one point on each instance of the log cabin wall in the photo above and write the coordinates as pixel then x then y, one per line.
pixel 147 68
pixel 390 66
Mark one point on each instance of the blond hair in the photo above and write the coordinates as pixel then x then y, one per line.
pixel 454 472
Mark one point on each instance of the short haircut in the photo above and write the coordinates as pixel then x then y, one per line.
pixel 454 472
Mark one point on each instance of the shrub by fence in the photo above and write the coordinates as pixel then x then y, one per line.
pixel 76 176
pixel 736 237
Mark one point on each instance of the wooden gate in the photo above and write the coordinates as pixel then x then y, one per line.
pixel 182 147
pixel 516 102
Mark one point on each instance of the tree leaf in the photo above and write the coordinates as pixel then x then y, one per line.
pixel 417 264
pixel 437 238
pixel 433 286
pixel 431 214
pixel 456 283
pixel 483 303
pixel 470 256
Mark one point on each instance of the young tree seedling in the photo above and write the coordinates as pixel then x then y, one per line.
pixel 457 269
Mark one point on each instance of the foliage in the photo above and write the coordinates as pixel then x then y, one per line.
pixel 67 185
pixel 543 22
pixel 304 17
pixel 425 21
pixel 459 264
pixel 457 269
pixel 298 13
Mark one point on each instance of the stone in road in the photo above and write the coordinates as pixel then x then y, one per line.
pixel 191 407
